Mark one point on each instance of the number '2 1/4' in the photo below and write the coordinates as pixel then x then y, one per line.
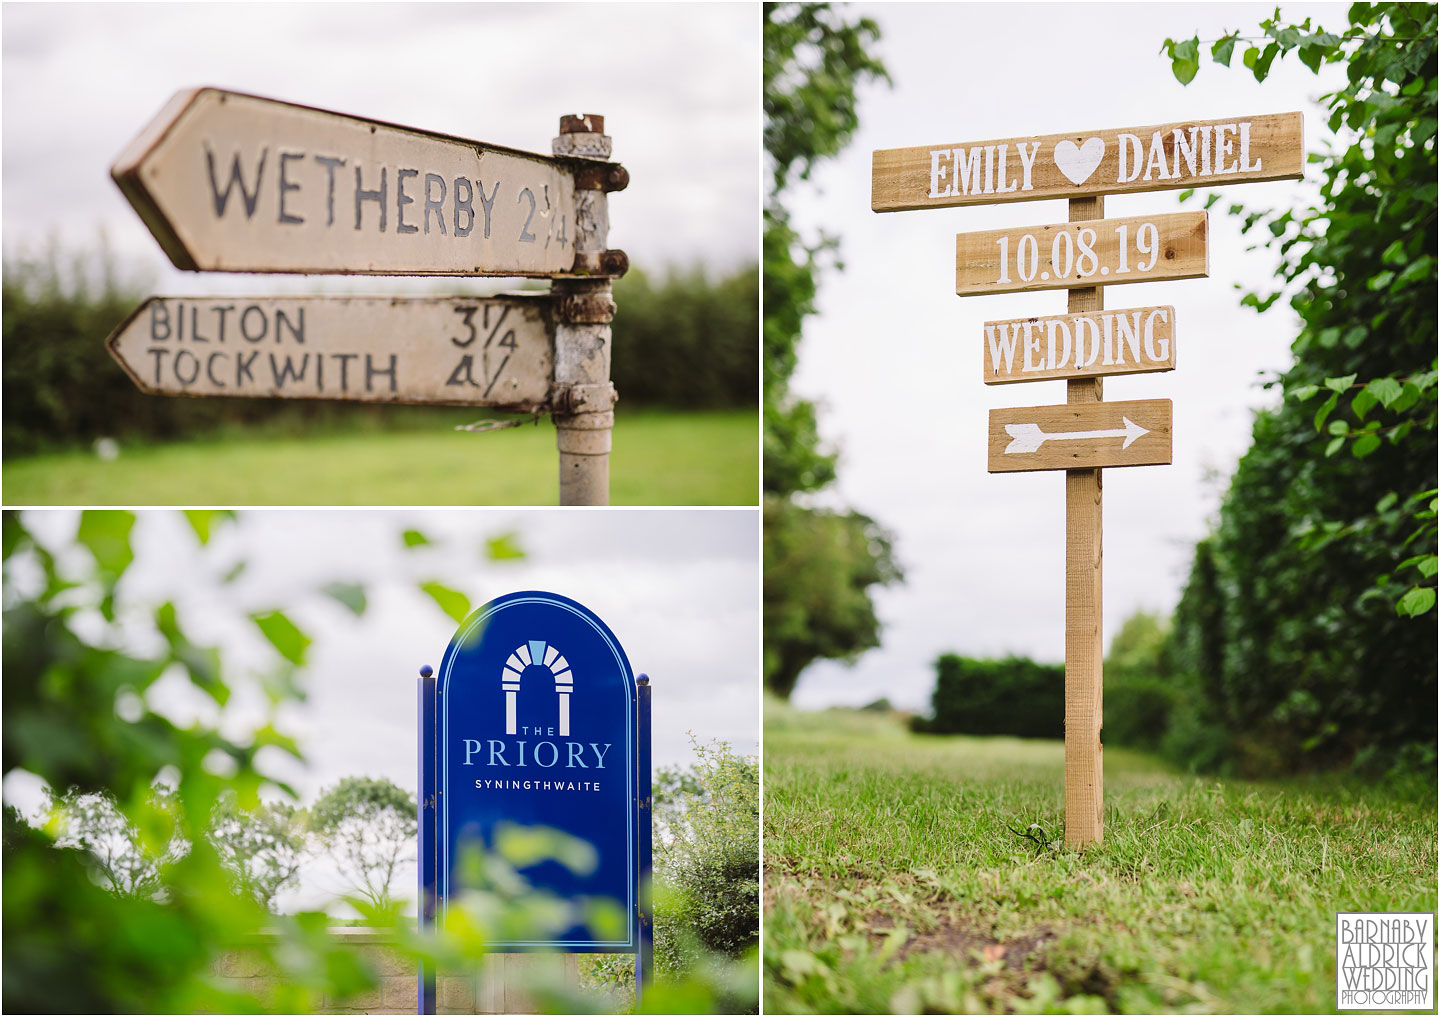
pixel 1078 255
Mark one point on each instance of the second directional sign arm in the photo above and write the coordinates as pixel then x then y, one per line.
pixel 473 351
pixel 1072 255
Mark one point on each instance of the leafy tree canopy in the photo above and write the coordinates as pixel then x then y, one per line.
pixel 1298 621
pixel 262 848
pixel 819 568
pixel 814 62
pixel 819 564
pixel 370 827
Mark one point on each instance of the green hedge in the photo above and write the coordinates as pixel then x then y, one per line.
pixel 1014 696
pixel 681 340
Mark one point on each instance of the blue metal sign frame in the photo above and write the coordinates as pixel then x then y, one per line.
pixel 479 685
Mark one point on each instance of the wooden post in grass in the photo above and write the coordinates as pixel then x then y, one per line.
pixel 1084 643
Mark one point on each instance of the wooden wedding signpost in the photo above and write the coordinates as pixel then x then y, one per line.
pixel 1085 434
pixel 228 182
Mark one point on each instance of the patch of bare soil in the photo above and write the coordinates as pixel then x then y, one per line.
pixel 936 926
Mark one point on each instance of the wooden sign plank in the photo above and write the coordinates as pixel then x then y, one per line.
pixel 1103 252
pixel 1080 436
pixel 473 351
pixel 1192 153
pixel 1138 340
pixel 235 183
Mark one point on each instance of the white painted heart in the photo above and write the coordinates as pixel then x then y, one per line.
pixel 1077 163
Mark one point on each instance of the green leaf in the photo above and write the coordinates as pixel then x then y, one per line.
pixel 352 595
pixel 1340 384
pixel 1223 48
pixel 452 602
pixel 505 547
pixel 1362 404
pixel 1426 563
pixel 1325 410
pixel 1185 59
pixel 414 538
pixel 1340 427
pixel 1380 280
pixel 1409 396
pixel 1420 268
pixel 106 533
pixel 202 521
pixel 1334 446
pixel 1364 445
pixel 1264 60
pixel 1385 391
pixel 1210 201
pixel 1303 393
pixel 288 640
pixel 267 736
pixel 201 664
pixel 1186 194
pixel 1416 602
pixel 524 846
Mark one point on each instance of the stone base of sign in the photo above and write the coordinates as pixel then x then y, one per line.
pixel 495 986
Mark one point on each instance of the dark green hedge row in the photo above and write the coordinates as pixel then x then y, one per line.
pixel 683 340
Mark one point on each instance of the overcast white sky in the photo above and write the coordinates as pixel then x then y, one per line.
pixel 678 85
pixel 679 588
pixel 893 358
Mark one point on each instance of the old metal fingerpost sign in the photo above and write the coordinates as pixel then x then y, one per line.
pixel 228 182
pixel 1085 434
pixel 535 720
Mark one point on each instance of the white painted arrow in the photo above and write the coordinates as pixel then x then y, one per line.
pixel 1029 437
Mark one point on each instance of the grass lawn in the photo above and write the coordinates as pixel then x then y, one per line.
pixel 659 458
pixel 894 882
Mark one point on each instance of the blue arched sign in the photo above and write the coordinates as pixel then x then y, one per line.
pixel 535 718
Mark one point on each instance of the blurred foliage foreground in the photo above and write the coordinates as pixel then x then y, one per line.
pixel 91 927
pixel 683 339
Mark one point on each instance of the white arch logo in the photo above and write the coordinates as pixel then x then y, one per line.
pixel 536 652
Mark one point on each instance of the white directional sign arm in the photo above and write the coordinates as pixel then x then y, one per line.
pixel 238 183
pixel 473 351
pixel 1077 436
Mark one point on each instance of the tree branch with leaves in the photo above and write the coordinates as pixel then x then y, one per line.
pixel 1298 621
pixel 368 826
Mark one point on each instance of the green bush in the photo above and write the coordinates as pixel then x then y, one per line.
pixel 686 341
pixel 707 877
pixel 1138 711
pixel 1015 696
pixel 1140 694
pixel 1305 627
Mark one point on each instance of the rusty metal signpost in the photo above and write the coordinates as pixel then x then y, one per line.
pixel 228 182
pixel 1085 434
